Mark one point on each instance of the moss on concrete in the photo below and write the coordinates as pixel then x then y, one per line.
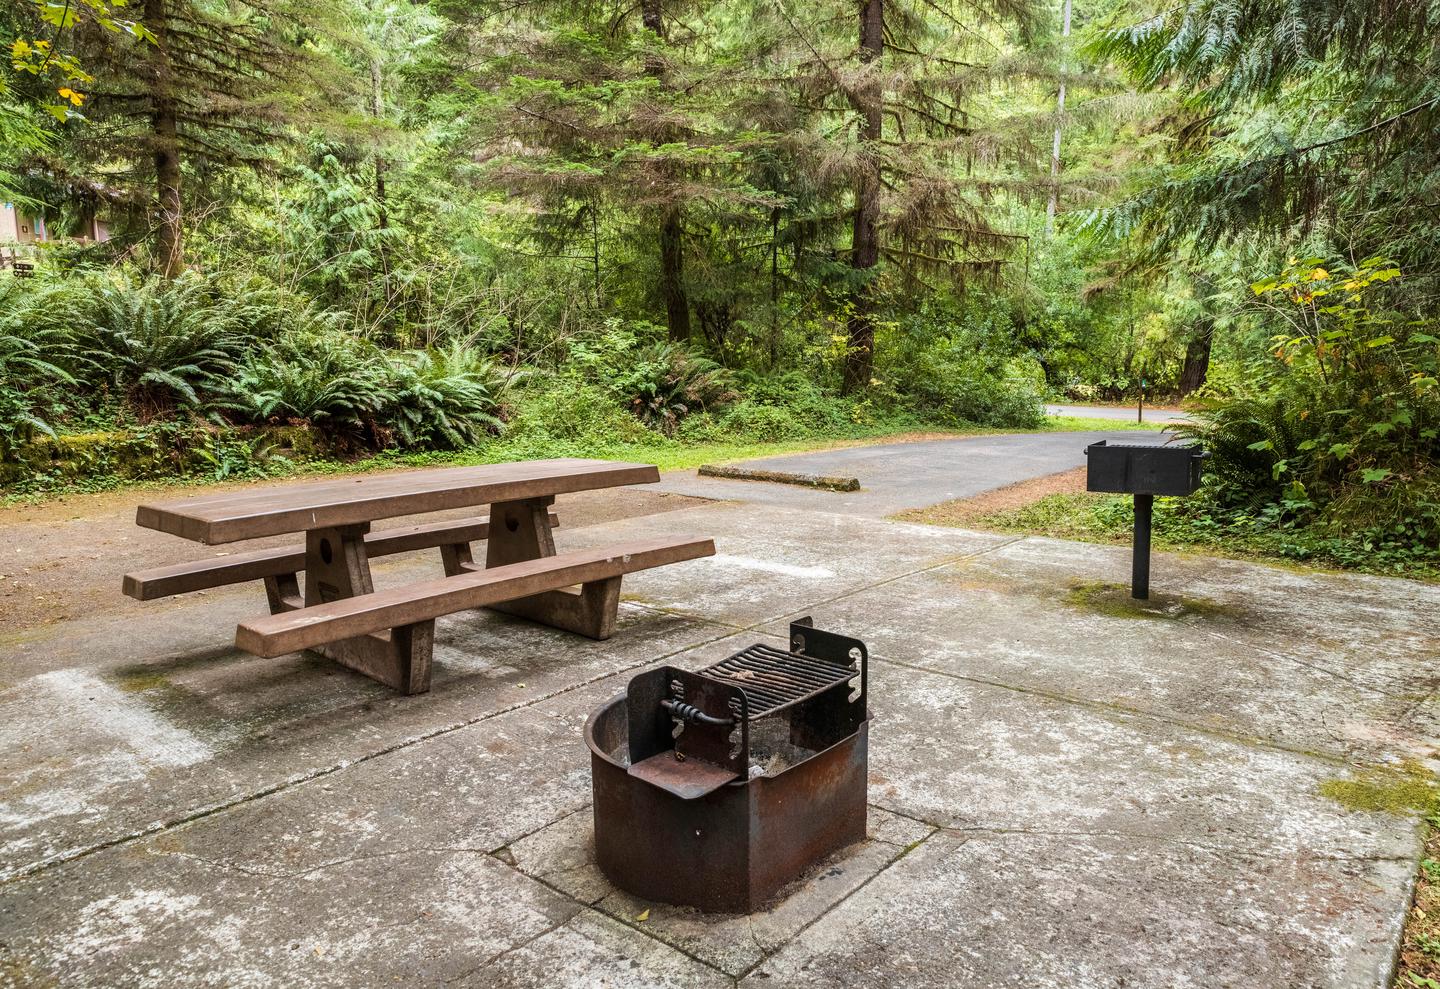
pixel 141 681
pixel 1401 791
pixel 1114 600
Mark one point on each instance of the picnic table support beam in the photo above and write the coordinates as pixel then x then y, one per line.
pixel 337 567
pixel 521 530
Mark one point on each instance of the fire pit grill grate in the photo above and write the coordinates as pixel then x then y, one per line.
pixel 774 680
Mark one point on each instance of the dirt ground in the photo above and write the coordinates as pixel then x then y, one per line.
pixel 64 558
pixel 965 511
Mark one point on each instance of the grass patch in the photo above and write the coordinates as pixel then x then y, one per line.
pixel 1108 518
pixel 1086 424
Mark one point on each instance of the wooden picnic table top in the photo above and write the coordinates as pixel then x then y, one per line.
pixel 274 510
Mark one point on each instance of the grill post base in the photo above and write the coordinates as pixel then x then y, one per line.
pixel 1140 563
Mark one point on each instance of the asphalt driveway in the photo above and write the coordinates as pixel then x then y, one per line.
pixel 895 477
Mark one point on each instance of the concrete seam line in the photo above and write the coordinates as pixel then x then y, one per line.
pixel 900 854
pixel 1224 851
pixel 594 908
pixel 1120 711
pixel 821 481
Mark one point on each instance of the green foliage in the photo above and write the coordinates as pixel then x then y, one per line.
pixel 336 381
pixel 1194 524
pixel 1340 426
pixel 966 367
pixel 158 343
pixel 32 380
pixel 444 398
pixel 659 383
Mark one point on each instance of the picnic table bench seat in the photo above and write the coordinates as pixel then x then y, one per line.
pixel 304 627
pixel 201 575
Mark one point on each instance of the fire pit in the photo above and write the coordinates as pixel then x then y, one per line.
pixel 715 788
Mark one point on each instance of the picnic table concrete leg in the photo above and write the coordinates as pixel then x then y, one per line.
pixel 336 567
pixel 521 530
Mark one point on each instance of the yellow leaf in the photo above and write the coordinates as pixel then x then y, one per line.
pixel 643 915
pixel 66 93
pixel 1319 275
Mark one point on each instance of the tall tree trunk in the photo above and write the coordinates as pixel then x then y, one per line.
pixel 1197 357
pixel 595 246
pixel 672 275
pixel 1055 148
pixel 672 234
pixel 377 108
pixel 165 144
pixel 774 286
pixel 865 238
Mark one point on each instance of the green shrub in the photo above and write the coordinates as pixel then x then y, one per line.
pixel 659 383
pixel 568 410
pixel 953 387
pixel 446 397
pixel 762 423
pixel 1340 426
pixel 336 382
pixel 32 380
pixel 809 407
pixel 157 343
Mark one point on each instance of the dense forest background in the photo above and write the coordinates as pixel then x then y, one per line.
pixel 541 227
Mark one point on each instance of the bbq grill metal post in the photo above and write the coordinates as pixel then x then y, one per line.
pixel 680 816
pixel 1143 470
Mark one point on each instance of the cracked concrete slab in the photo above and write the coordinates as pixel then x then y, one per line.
pixel 593 950
pixel 392 851
pixel 965 755
pixel 1378 631
pixel 771 561
pixel 153 741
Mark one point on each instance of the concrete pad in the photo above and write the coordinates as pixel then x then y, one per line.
pixel 770 562
pixel 964 755
pixel 898 476
pixel 563 856
pixel 180 815
pixel 1380 632
pixel 162 917
pixel 592 950
pixel 1014 616
pixel 384 860
pixel 148 743
pixel 1080 911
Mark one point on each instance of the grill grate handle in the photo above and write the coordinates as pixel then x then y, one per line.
pixel 692 714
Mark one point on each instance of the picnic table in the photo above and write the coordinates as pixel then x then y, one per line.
pixel 388 635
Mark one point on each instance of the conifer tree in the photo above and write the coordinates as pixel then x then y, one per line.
pixel 604 105
pixel 919 152
pixel 211 90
